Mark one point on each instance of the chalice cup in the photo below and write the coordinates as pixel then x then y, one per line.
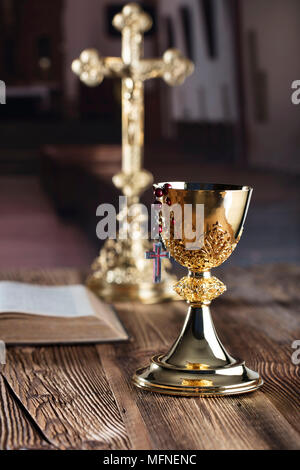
pixel 198 364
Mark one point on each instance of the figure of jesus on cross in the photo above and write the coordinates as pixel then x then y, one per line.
pixel 157 254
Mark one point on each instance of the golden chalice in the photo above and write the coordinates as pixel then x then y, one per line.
pixel 198 364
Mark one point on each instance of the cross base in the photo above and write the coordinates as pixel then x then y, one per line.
pixel 116 279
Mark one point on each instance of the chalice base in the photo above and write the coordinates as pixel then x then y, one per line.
pixel 197 364
pixel 232 380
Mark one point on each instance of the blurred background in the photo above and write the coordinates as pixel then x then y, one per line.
pixel 233 121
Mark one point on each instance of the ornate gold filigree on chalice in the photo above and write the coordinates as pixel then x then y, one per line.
pixel 198 364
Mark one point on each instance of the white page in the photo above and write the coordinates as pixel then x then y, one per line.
pixel 52 301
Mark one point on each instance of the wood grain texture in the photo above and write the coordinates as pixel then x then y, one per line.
pixel 64 389
pixel 136 427
pixel 82 397
pixel 67 395
pixel 247 422
pixel 17 431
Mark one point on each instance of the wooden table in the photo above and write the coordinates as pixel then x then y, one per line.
pixel 81 397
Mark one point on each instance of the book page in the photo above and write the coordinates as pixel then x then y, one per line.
pixel 52 301
pixel 106 313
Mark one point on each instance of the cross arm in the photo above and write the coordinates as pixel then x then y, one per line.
pixel 91 68
pixel 173 68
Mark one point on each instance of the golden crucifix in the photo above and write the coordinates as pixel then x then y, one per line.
pixel 121 272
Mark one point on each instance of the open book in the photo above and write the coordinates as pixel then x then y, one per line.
pixel 31 314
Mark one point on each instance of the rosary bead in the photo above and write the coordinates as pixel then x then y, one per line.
pixel 159 192
pixel 166 188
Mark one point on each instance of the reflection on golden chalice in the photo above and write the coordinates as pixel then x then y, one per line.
pixel 198 364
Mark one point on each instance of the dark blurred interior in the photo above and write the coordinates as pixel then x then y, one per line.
pixel 231 122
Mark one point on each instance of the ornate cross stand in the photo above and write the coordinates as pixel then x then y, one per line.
pixel 121 271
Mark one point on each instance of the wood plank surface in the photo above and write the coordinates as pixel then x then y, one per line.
pixel 64 389
pixel 82 397
pixel 17 430
pixel 66 393
pixel 246 422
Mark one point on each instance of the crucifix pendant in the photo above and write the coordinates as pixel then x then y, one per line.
pixel 156 255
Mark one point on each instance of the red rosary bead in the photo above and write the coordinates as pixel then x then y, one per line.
pixel 166 188
pixel 159 192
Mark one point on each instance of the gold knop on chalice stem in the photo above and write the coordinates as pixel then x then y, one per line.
pixel 199 288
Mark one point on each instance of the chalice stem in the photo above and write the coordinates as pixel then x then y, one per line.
pixel 198 363
pixel 198 345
